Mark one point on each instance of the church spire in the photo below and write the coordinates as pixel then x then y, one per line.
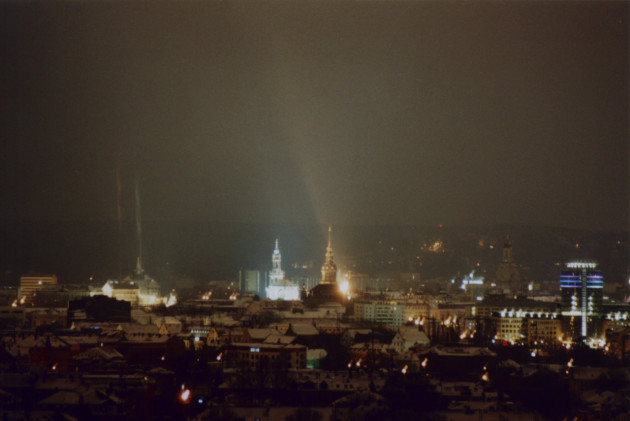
pixel 276 273
pixel 139 271
pixel 329 250
pixel 329 237
pixel 329 268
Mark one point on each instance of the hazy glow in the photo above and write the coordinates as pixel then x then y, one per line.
pixel 171 300
pixel 107 289
pixel 344 287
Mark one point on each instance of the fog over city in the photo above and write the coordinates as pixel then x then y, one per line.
pixel 369 113
pixel 314 210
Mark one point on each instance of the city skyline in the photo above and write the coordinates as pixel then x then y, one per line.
pixel 172 174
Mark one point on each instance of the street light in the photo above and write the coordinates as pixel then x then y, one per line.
pixel 184 396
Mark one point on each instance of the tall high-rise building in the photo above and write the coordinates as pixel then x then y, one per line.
pixel 581 288
pixel 508 276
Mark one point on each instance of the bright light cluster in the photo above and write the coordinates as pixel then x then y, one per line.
pixel 581 265
pixel 283 292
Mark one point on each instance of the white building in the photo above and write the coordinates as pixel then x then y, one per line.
pixel 280 288
pixel 405 338
pixel 380 311
pixel 138 289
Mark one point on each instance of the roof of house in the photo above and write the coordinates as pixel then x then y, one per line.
pixel 19 345
pixel 302 330
pixel 414 336
pixel 318 354
pixel 353 332
pixel 279 339
pixel 106 353
pixel 134 328
pixel 260 334
pixel 461 351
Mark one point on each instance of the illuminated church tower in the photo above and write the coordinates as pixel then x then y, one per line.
pixel 277 274
pixel 329 268
pixel 327 291
pixel 280 288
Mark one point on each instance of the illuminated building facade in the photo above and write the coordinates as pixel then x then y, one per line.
pixel 504 306
pixel 519 320
pixel 280 288
pixel 615 316
pixel 417 310
pixel 543 330
pixel 525 327
pixel 29 285
pixel 138 288
pixel 124 291
pixel 379 311
pixel 581 288
pixel 474 286
pixel 511 329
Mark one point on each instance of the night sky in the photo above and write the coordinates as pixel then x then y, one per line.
pixel 362 112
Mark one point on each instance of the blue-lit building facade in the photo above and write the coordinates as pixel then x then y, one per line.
pixel 581 292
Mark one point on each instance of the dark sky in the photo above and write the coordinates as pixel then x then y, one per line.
pixel 362 112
